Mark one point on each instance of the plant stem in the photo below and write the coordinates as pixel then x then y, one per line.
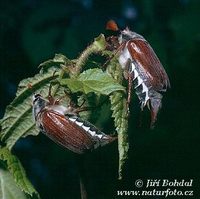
pixel 97 46
pixel 82 188
pixel 80 166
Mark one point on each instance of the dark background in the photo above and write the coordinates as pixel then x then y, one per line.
pixel 32 31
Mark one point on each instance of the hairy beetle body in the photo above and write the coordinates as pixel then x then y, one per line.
pixel 64 127
pixel 141 67
pixel 144 69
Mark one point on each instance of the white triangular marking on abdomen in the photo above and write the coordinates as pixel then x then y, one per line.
pixel 72 119
pixel 133 69
pixel 144 88
pixel 99 136
pixel 86 128
pixel 123 59
pixel 79 123
pixel 92 133
pixel 146 91
pixel 140 81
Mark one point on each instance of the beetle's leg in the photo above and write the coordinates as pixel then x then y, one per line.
pixel 86 108
pixel 68 94
pixel 84 100
pixel 50 97
pixel 81 109
pixel 54 101
pixel 115 53
pixel 57 101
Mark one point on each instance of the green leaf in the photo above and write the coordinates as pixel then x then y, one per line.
pixel 18 120
pixel 16 169
pixel 56 61
pixel 118 106
pixel 8 187
pixel 93 80
pixel 120 114
pixel 100 42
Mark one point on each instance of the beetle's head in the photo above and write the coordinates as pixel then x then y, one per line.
pixel 35 97
pixel 38 103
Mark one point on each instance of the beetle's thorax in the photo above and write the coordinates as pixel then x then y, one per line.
pixel 124 57
pixel 127 35
pixel 68 110
pixel 40 104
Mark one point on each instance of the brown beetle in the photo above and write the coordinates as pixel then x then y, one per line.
pixel 63 126
pixel 142 69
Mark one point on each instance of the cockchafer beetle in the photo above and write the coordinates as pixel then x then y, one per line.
pixel 64 126
pixel 142 68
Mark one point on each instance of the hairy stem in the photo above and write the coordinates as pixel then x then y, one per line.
pixel 97 46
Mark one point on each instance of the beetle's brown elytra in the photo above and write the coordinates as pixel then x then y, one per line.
pixel 63 126
pixel 142 68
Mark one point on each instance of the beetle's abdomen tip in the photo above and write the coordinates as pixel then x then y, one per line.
pixel 109 139
pixel 113 138
pixel 155 105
